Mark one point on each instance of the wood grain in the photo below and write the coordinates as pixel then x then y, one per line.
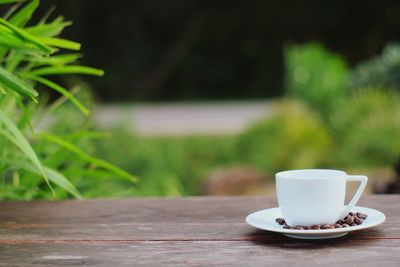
pixel 207 231
pixel 338 252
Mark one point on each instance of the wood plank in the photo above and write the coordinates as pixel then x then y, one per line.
pixel 337 252
pixel 198 218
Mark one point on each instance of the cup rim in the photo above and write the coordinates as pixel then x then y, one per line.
pixel 312 174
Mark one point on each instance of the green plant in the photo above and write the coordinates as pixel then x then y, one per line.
pixel 167 166
pixel 381 71
pixel 32 161
pixel 316 76
pixel 294 137
pixel 367 128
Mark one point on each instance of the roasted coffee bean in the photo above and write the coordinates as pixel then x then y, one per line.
pixel 363 216
pixel 325 226
pixel 280 221
pixel 358 221
pixel 350 220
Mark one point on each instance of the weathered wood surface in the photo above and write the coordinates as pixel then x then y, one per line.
pixel 199 231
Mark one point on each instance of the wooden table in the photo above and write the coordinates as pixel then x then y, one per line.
pixel 198 231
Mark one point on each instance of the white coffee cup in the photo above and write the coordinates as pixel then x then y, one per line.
pixel 315 196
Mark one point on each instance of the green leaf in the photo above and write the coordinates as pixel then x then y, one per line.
pixel 25 36
pixel 54 176
pixel 48 29
pixel 2 2
pixel 11 41
pixel 26 115
pixel 60 43
pixel 16 136
pixel 14 59
pixel 96 161
pixel 61 90
pixel 57 60
pixel 62 181
pixel 24 15
pixel 46 15
pixel 12 82
pixel 70 69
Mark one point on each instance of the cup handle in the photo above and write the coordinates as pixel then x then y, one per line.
pixel 363 182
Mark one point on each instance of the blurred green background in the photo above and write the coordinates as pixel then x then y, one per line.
pixel 330 71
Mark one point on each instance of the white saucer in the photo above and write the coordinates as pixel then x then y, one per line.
pixel 265 219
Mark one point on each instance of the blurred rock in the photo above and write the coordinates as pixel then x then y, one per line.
pixel 241 180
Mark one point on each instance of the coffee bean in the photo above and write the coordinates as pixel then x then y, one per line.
pixel 280 221
pixel 325 226
pixel 363 216
pixel 358 221
pixel 350 220
pixel 316 227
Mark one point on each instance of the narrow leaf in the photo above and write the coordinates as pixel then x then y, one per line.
pixel 12 82
pixel 48 29
pixel 57 60
pixel 11 41
pixel 61 90
pixel 67 70
pixel 60 43
pixel 2 2
pixel 96 161
pixel 26 115
pixel 25 35
pixel 24 14
pixel 16 136
pixel 54 176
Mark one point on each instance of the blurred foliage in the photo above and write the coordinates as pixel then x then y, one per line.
pixel 367 129
pixel 381 71
pixel 316 76
pixel 294 137
pixel 360 129
pixel 167 166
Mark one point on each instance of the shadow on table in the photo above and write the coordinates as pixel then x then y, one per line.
pixel 271 239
